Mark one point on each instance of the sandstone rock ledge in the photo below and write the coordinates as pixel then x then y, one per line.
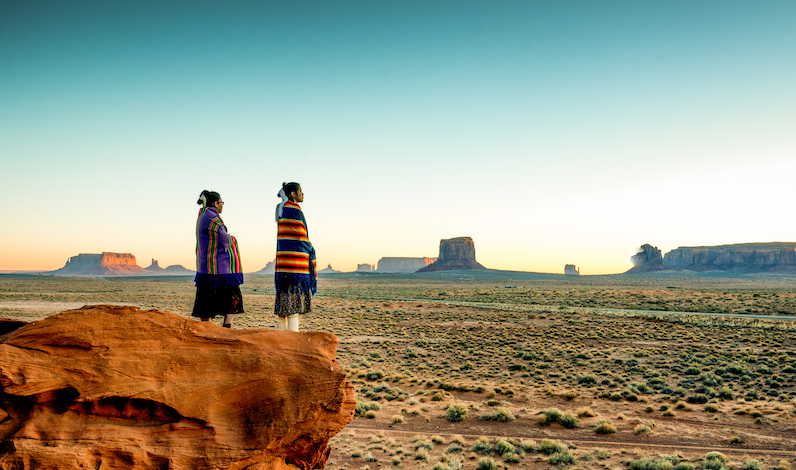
pixel 106 387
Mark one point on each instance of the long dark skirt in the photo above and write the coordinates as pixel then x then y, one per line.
pixel 212 301
pixel 293 301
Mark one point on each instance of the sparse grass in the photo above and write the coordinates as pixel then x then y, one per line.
pixel 528 445
pixel 461 351
pixel 602 454
pixel 482 446
pixel 456 413
pixel 569 421
pixel 714 461
pixel 486 463
pixel 711 408
pixel 642 429
pixel 549 447
pixel 549 416
pixel 454 448
pixel 604 426
pixel 502 415
pixel 362 408
pixel 750 464
pixel 562 458
pixel 420 442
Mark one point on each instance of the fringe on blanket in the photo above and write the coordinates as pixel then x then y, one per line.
pixel 218 280
pixel 305 282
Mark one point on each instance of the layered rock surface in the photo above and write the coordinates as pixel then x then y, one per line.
pixel 118 387
pixel 745 257
pixel 105 264
pixel 402 265
pixel 454 253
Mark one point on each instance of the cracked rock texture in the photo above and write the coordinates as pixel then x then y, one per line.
pixel 107 387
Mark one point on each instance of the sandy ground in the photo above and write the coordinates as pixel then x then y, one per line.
pixel 412 360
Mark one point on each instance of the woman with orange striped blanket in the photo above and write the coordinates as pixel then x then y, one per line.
pixel 218 270
pixel 295 276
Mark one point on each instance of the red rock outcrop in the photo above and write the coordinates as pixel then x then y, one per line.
pixel 454 253
pixel 105 264
pixel 106 387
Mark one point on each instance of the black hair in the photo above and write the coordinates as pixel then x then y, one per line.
pixel 290 188
pixel 207 198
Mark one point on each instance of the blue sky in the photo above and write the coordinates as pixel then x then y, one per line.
pixel 552 132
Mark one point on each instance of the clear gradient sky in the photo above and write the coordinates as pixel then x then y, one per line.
pixel 551 132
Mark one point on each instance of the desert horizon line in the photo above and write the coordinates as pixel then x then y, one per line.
pixel 746 257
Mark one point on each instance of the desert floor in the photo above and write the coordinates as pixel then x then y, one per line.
pixel 513 370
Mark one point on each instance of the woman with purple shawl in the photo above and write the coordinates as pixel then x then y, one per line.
pixel 218 269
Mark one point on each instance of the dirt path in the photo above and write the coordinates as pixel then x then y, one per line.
pixel 590 443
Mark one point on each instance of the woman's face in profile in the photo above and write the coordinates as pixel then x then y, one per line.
pixel 299 195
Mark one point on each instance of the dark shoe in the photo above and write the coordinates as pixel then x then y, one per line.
pixel 227 325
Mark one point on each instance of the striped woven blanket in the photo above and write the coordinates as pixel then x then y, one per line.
pixel 295 256
pixel 217 254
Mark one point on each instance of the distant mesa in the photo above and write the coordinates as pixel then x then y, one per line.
pixel 105 264
pixel 173 270
pixel 774 257
pixel 114 264
pixel 454 253
pixel 571 270
pixel 154 267
pixel 270 268
pixel 329 270
pixel 402 265
pixel 647 259
pixel 365 268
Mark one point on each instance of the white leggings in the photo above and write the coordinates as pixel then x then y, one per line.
pixel 289 323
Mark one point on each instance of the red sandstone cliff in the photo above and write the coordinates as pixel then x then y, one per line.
pixel 123 388
pixel 105 264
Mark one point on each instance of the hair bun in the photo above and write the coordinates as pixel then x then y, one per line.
pixel 203 198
